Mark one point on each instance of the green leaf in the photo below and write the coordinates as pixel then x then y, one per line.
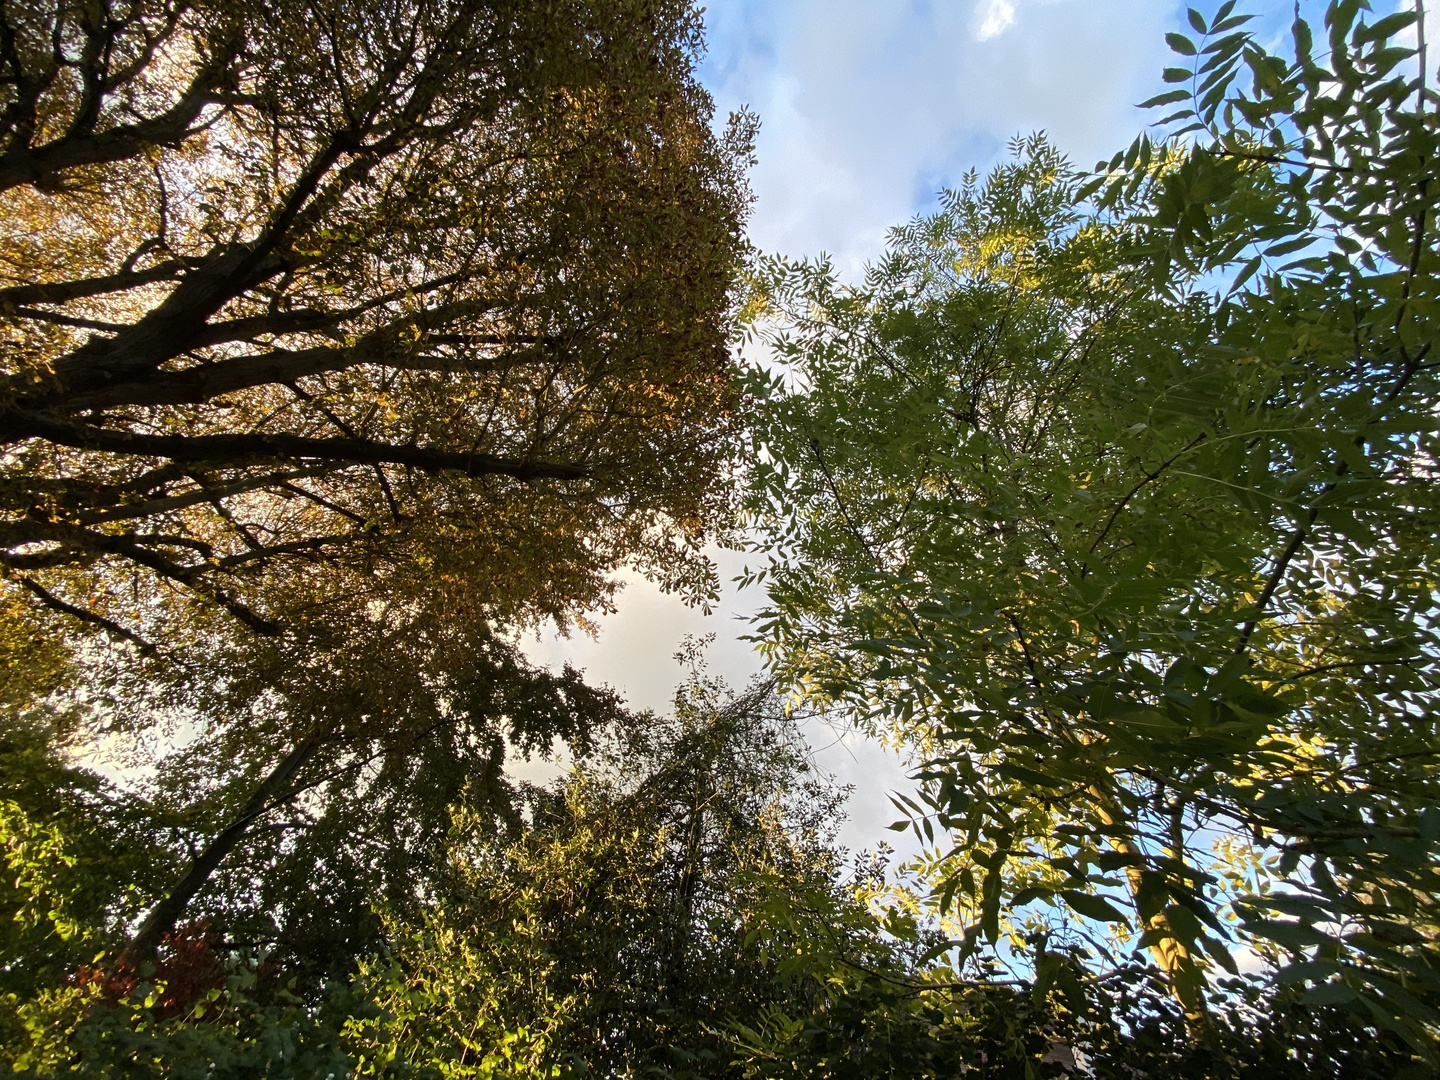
pixel 1246 273
pixel 1217 951
pixel 1287 247
pixel 1385 28
pixel 1183 923
pixel 1222 25
pixel 1167 98
pixel 1092 906
pixel 1335 993
pixel 1030 895
pixel 1295 936
pixel 1181 44
pixel 1026 775
pixel 990 918
pixel 1304 40
pixel 1307 971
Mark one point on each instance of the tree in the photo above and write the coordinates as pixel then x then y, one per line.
pixel 616 936
pixel 308 299
pixel 298 859
pixel 339 336
pixel 1128 525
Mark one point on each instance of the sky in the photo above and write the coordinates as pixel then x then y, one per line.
pixel 868 108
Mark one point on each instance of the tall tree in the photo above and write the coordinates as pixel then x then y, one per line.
pixel 394 297
pixel 619 934
pixel 336 335
pixel 1127 522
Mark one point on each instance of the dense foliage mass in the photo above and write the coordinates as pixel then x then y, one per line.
pixel 344 341
pixel 409 293
pixel 673 907
pixel 338 337
pixel 1116 498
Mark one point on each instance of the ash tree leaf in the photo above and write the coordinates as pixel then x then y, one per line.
pixel 1181 44
pixel 1092 906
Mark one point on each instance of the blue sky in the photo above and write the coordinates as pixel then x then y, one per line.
pixel 868 108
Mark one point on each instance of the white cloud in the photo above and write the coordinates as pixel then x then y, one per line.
pixel 995 17
pixel 868 109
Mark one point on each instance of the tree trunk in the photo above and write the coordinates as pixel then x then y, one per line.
pixel 162 918
pixel 689 878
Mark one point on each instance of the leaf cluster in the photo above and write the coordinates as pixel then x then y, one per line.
pixel 1129 533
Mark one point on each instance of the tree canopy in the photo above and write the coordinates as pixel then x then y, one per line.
pixel 346 342
pixel 340 342
pixel 314 305
pixel 1114 496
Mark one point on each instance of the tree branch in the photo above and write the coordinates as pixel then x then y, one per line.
pixel 1298 536
pixel 22 164
pixel 1148 478
pixel 314 543
pixel 60 292
pixel 50 600
pixel 190 576
pixel 97 375
pixel 23 424
pixel 128 511
pixel 199 384
pixel 162 917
